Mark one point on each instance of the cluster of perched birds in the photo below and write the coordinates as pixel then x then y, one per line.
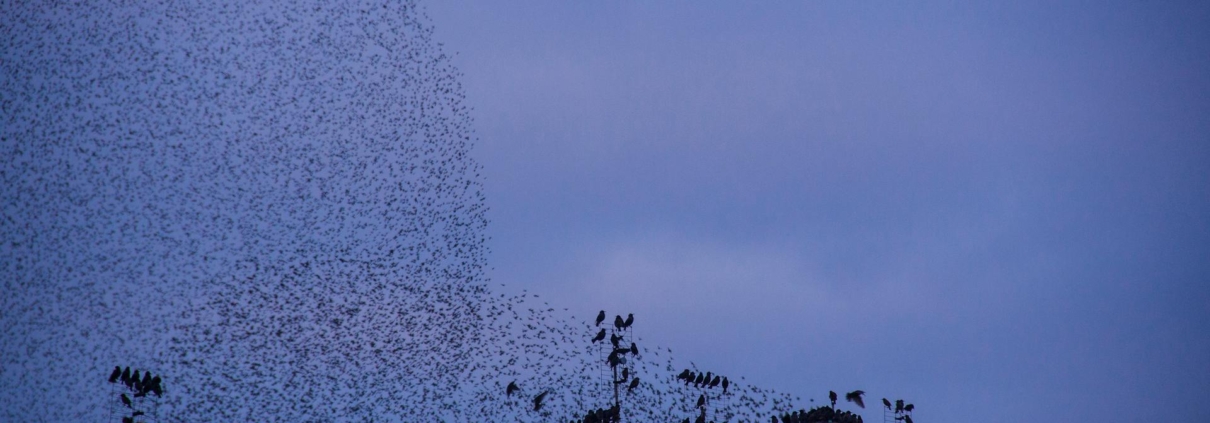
pixel 704 380
pixel 137 387
pixel 276 204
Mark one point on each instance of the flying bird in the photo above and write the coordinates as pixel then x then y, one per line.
pixel 600 317
pixel 538 400
pixel 855 397
pixel 634 383
pixel 512 387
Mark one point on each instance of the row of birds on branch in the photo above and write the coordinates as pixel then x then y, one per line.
pixel 602 415
pixel 823 414
pixel 707 380
pixel 140 386
pixel 618 323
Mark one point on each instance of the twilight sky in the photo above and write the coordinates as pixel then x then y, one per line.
pixel 989 210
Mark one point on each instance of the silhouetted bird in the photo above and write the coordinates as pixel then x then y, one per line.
pixel 726 383
pixel 145 385
pixel 629 320
pixel 625 374
pixel 618 322
pixel 698 380
pixel 832 396
pixel 538 400
pixel 855 397
pixel 126 401
pixel 701 400
pixel 689 379
pixel 512 387
pixel 634 383
pixel 898 406
pixel 701 418
pixel 909 407
pixel 600 317
pixel 156 387
pixel 887 403
pixel 907 419
pixel 600 336
pixel 634 349
pixel 684 374
pixel 614 339
pixel 716 381
pixel 117 372
pixel 126 376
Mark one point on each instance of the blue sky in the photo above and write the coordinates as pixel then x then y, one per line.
pixel 992 210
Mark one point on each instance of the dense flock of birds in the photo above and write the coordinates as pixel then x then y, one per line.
pixel 275 203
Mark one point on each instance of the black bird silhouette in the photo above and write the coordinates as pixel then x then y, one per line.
pixel 634 349
pixel 701 418
pixel 512 387
pixel 698 380
pixel 909 407
pixel 156 387
pixel 538 400
pixel 684 374
pixel 600 336
pixel 716 381
pixel 855 397
pixel 127 420
pixel 618 322
pixel 832 396
pixel 614 339
pixel 625 374
pixel 634 383
pixel 117 372
pixel 145 385
pixel 887 403
pixel 726 384
pixel 689 379
pixel 898 406
pixel 701 400
pixel 600 317
pixel 629 320
pixel 907 419
pixel 126 401
pixel 126 376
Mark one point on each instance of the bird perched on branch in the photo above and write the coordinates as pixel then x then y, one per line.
pixel 512 387
pixel 117 373
pixel 726 383
pixel 615 339
pixel 634 383
pixel 701 400
pixel 909 407
pixel 126 401
pixel 629 321
pixel 634 349
pixel 886 403
pixel 898 406
pixel 716 381
pixel 618 322
pixel 600 317
pixel 855 397
pixel 832 396
pixel 600 336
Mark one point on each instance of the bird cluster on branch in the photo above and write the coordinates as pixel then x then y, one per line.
pixel 138 386
pixel 602 415
pixel 707 380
